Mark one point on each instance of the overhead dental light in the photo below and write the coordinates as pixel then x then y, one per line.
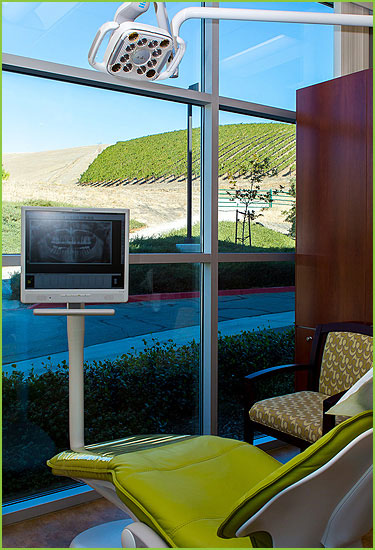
pixel 135 50
pixel 143 52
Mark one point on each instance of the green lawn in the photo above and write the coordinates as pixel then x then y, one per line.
pixel 11 227
pixel 263 240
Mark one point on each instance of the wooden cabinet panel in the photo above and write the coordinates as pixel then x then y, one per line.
pixel 334 202
pixel 369 214
pixel 304 336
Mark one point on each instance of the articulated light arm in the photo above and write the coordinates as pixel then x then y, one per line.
pixel 275 16
pixel 139 52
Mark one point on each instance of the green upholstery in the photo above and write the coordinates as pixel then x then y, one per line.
pixel 299 467
pixel 346 358
pixel 183 489
pixel 195 492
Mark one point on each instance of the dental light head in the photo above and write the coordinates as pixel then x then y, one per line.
pixel 143 52
pixel 137 51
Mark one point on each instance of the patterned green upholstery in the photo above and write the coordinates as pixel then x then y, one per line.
pixel 298 414
pixel 346 358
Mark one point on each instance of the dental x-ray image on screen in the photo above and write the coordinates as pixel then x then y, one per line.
pixel 74 255
pixel 70 241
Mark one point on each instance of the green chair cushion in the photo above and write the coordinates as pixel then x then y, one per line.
pixel 300 466
pixel 183 488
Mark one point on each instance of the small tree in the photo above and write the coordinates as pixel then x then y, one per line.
pixel 291 213
pixel 255 170
pixel 5 174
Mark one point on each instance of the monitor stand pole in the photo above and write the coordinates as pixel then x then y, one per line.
pixel 75 314
pixel 107 535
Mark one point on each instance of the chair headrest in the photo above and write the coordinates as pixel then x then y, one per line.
pixel 307 462
pixel 357 399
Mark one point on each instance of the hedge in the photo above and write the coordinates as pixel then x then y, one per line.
pixel 153 391
pixel 164 278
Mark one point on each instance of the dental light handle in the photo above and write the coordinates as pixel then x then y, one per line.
pixel 162 16
pixel 104 29
pixel 173 66
pixel 129 11
pixel 163 22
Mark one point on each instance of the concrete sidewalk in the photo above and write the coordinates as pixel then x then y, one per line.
pixel 30 341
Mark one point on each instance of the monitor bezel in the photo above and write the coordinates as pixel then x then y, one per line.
pixel 67 295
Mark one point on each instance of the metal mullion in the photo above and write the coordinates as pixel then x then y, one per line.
pixel 238 106
pixel 11 260
pixel 95 79
pixel 14 260
pixel 228 257
pixel 87 77
pixel 209 294
pixel 194 258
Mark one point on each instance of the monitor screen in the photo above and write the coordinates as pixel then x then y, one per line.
pixel 74 255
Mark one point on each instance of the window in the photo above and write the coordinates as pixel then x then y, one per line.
pixel 257 163
pixel 62 32
pixel 142 372
pixel 197 293
pixel 266 62
pixel 67 145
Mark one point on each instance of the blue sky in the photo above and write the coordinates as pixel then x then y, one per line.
pixel 259 62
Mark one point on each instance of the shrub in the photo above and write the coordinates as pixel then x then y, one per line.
pixel 160 278
pixel 154 391
pixel 4 174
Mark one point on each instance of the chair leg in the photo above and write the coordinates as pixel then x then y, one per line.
pixel 248 428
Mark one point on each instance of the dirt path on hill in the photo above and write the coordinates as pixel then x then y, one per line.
pixel 53 176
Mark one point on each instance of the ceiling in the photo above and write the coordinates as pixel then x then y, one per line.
pixel 368 5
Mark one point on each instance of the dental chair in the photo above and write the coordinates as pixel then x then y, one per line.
pixel 211 492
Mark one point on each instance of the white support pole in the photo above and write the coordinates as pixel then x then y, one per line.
pixel 239 14
pixel 76 335
pixel 75 314
pixel 209 206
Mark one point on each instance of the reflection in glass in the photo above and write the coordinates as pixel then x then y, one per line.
pixel 267 62
pixel 256 331
pixel 141 373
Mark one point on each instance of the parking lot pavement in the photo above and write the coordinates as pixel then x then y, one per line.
pixel 30 341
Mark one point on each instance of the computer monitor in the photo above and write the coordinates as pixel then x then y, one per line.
pixel 74 255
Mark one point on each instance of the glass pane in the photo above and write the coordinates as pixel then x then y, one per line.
pixel 256 185
pixel 256 331
pixel 267 62
pixel 141 375
pixel 68 145
pixel 63 32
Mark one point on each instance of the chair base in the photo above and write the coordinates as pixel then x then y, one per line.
pixel 106 535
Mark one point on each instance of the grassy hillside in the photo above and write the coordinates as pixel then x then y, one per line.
pixel 164 155
pixel 11 226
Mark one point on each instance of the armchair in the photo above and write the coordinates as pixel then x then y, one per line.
pixel 341 354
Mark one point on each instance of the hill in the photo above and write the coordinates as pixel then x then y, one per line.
pixel 163 156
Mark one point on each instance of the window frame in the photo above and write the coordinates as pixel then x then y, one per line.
pixel 209 258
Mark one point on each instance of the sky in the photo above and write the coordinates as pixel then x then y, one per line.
pixel 259 62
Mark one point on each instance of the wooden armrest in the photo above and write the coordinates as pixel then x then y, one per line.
pixel 332 400
pixel 329 420
pixel 250 396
